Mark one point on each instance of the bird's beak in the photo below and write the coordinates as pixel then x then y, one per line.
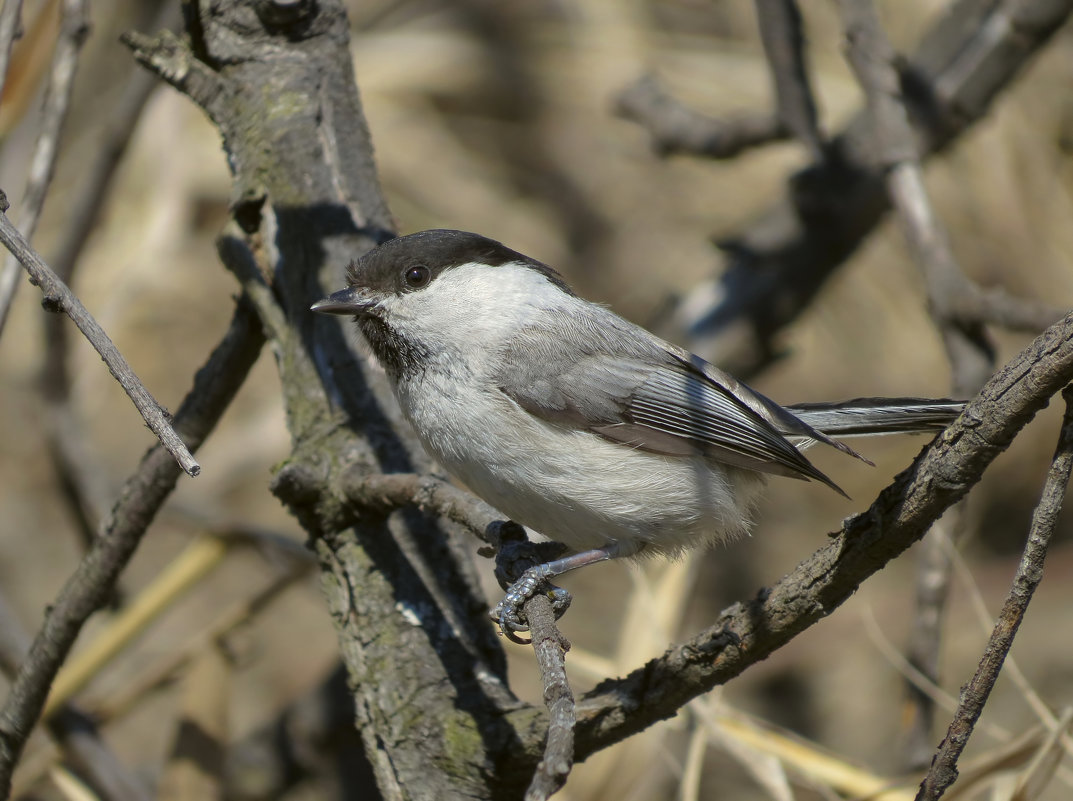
pixel 347 301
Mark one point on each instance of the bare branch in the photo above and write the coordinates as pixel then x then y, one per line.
pixel 782 34
pixel 73 30
pixel 776 265
pixel 140 499
pixel 80 483
pixel 166 56
pixel 58 297
pixel 387 492
pixel 674 128
pixel 81 214
pixel 550 647
pixel 974 695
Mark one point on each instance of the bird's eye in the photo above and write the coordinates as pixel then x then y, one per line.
pixel 417 277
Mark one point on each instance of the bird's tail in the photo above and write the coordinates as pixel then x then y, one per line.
pixel 869 416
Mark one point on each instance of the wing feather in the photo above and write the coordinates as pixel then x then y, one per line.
pixel 625 385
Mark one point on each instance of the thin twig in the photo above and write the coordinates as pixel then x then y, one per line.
pixel 387 492
pixel 142 496
pixel 943 771
pixel 73 30
pixel 674 128
pixel 78 476
pixel 514 555
pixel 550 647
pixel 1012 667
pixel 10 29
pixel 782 34
pixel 58 297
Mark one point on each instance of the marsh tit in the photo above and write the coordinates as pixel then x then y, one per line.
pixel 572 421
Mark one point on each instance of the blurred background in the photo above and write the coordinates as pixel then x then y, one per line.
pixel 498 118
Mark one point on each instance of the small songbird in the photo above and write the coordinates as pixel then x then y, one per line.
pixel 572 421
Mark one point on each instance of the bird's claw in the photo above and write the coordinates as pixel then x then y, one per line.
pixel 509 613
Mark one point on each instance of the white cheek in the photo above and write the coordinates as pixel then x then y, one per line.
pixel 476 304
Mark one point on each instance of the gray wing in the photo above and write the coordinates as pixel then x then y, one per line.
pixel 627 386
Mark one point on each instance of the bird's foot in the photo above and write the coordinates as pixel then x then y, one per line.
pixel 523 569
pixel 509 612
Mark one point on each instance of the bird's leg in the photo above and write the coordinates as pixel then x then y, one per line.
pixel 508 612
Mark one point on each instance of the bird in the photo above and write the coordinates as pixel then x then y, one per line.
pixel 571 420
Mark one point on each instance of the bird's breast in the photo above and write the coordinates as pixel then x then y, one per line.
pixel 569 484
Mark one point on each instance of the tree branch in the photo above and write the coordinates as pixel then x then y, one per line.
pixel 387 492
pixel 58 297
pixel 675 128
pixel 550 647
pixel 141 497
pixel 79 481
pixel 974 695
pixel 778 263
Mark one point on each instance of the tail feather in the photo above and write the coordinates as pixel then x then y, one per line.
pixel 869 416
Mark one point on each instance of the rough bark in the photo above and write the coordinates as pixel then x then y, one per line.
pixel 425 669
